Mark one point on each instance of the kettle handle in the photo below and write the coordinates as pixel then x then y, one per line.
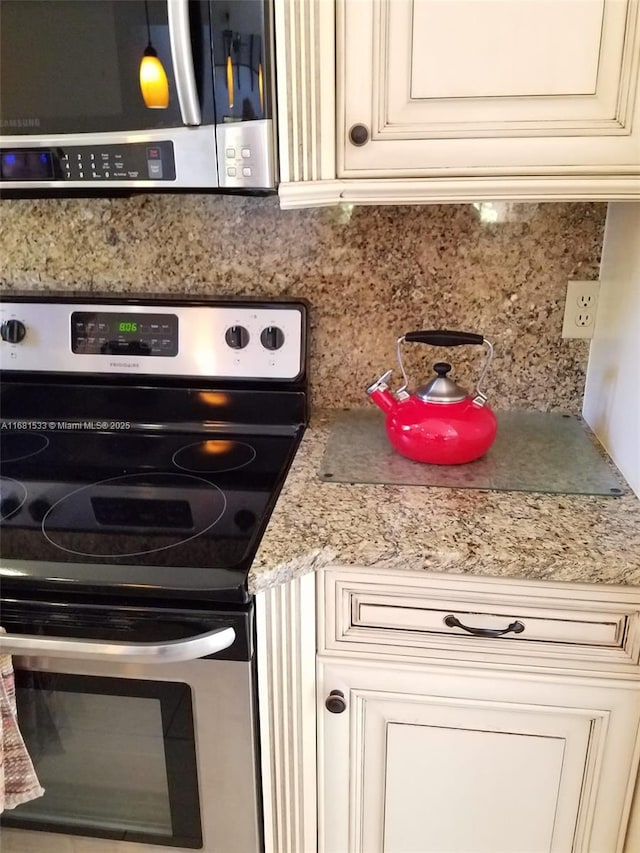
pixel 443 338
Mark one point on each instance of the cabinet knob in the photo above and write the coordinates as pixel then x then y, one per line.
pixel 335 702
pixel 359 134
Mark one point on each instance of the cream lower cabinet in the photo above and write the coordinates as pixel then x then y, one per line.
pixel 475 715
pixel 468 715
pixel 426 760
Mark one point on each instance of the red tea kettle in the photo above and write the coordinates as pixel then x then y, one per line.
pixel 440 423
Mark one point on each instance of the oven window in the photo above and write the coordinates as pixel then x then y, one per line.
pixel 116 758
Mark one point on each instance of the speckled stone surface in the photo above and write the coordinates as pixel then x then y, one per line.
pixel 369 274
pixel 499 534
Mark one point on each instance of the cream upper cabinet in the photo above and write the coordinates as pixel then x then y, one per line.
pixel 409 100
pixel 506 85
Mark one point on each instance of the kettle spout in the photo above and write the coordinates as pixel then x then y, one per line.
pixel 379 394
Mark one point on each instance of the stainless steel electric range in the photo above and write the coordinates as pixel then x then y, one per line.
pixel 143 444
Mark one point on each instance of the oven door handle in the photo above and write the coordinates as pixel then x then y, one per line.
pixel 173 651
pixel 182 57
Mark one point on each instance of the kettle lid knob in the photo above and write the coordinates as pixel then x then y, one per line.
pixel 441 389
pixel 442 368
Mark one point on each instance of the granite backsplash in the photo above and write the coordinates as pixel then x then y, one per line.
pixel 369 274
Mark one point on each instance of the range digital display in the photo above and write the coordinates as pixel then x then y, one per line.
pixel 26 164
pixel 114 333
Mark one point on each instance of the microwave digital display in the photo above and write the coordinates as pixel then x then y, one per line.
pixel 26 164
pixel 112 333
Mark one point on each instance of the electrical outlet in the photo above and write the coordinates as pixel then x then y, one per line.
pixel 580 309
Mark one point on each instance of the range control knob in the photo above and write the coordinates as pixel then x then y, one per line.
pixel 237 337
pixel 13 331
pixel 272 337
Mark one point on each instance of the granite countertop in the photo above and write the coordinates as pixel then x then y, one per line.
pixel 417 528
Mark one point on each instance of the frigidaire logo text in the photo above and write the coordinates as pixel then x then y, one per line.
pixel 124 364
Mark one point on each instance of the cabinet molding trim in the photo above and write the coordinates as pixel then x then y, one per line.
pixel 606 109
pixel 286 649
pixel 439 190
pixel 305 63
pixel 375 710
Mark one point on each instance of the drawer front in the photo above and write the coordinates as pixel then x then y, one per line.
pixel 523 624
pixel 480 619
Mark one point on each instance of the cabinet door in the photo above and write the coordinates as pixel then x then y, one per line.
pixel 423 761
pixel 467 87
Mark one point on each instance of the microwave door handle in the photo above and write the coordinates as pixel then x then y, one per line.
pixel 182 57
pixel 173 651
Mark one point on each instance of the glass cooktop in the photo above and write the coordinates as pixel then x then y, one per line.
pixel 80 505
pixel 144 477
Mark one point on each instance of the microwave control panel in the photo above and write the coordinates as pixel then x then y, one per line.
pixel 132 161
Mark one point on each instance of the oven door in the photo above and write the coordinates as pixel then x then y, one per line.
pixel 136 736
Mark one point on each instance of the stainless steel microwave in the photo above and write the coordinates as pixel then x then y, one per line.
pixel 102 95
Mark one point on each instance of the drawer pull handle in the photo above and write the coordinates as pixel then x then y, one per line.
pixel 514 628
pixel 335 702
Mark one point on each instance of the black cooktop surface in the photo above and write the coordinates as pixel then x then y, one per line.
pixel 169 512
pixel 151 476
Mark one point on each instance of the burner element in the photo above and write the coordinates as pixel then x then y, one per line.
pixel 12 497
pixel 120 516
pixel 21 445
pixel 214 456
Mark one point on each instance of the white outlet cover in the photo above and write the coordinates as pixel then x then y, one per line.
pixel 580 309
